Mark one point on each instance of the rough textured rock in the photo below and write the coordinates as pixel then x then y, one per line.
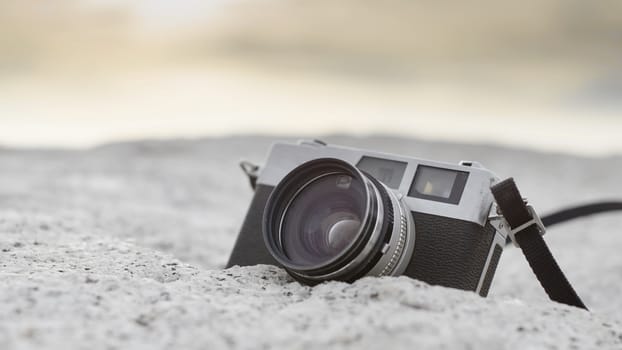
pixel 122 246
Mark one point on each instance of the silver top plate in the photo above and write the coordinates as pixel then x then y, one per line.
pixel 474 205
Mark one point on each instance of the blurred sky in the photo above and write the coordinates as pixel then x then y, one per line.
pixel 537 74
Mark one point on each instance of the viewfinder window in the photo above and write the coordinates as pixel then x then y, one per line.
pixel 389 172
pixel 438 184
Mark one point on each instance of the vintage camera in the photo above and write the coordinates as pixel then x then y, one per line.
pixel 327 212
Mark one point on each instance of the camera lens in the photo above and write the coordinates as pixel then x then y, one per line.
pixel 323 219
pixel 328 220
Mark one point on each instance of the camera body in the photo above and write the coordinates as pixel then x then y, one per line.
pixel 436 225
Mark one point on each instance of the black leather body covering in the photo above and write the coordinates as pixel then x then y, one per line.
pixel 249 248
pixel 449 252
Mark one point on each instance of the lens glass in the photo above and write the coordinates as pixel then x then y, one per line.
pixel 323 219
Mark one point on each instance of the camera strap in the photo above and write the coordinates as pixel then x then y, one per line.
pixel 580 211
pixel 526 231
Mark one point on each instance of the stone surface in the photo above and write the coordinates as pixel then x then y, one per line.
pixel 122 247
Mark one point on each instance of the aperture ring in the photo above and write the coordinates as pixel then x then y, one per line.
pixel 399 249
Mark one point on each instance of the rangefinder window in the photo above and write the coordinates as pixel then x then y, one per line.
pixel 389 172
pixel 438 184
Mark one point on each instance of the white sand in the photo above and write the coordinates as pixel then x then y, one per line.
pixel 121 247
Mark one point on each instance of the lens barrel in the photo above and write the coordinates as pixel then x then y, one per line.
pixel 327 220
